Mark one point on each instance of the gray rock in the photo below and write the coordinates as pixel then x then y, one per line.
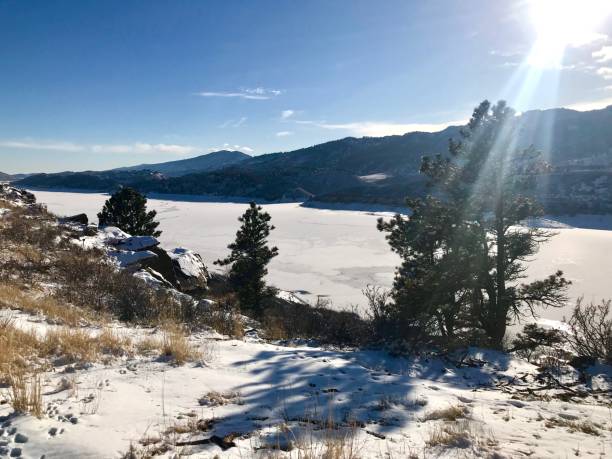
pixel 16 452
pixel 21 438
pixel 74 420
pixel 4 451
pixel 53 431
pixel 79 218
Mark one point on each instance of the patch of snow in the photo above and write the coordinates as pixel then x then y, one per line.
pixel 125 258
pixel 152 278
pixel 372 178
pixel 189 262
pixel 554 324
pixel 137 243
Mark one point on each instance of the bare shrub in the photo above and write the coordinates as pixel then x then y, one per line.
pixel 282 319
pixel 223 316
pixel 30 225
pixel 380 310
pixel 89 280
pixel 591 330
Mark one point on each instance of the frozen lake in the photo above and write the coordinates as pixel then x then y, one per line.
pixel 336 253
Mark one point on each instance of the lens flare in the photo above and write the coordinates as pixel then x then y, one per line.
pixel 563 23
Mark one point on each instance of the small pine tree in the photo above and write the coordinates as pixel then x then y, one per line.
pixel 127 210
pixel 249 257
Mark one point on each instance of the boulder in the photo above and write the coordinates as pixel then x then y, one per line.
pixel 81 219
pixel 190 269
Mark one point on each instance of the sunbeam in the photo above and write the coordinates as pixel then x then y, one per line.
pixel 563 23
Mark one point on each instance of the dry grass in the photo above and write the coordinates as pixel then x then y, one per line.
pixel 586 426
pixel 19 350
pixel 148 344
pixel 70 345
pixel 111 342
pixel 25 393
pixel 330 442
pixel 11 296
pixel 452 413
pixel 176 345
pixel 215 398
pixel 460 434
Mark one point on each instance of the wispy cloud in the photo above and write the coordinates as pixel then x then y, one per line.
pixel 605 72
pixel 244 93
pixel 286 114
pixel 234 123
pixel 228 146
pixel 603 55
pixel 284 133
pixel 71 147
pixel 378 129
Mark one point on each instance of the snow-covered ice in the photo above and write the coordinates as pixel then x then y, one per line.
pixel 336 253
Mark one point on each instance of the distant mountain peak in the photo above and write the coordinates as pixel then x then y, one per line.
pixel 203 163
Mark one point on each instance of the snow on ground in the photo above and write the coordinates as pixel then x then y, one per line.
pixel 336 253
pixel 269 388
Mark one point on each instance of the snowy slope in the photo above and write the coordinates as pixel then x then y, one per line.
pixel 276 394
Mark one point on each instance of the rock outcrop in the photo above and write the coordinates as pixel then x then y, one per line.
pixel 180 268
pixel 16 196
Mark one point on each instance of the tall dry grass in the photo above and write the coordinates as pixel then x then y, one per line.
pixel 175 344
pixel 33 302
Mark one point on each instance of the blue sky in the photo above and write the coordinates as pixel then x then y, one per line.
pixel 99 84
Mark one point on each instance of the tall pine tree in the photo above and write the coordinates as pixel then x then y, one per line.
pixel 127 210
pixel 249 258
pixel 471 228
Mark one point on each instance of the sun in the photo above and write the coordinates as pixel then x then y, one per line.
pixel 563 23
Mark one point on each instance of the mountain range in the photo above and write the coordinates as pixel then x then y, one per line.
pixel 374 170
pixel 203 163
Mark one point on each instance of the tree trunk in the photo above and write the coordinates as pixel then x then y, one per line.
pixel 501 306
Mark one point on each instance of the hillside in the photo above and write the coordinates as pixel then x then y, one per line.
pixel 383 170
pixel 100 343
pixel 203 163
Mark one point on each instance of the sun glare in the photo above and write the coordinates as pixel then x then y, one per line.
pixel 563 23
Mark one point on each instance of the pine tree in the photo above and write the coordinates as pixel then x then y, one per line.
pixel 249 257
pixel 428 289
pixel 463 249
pixel 491 181
pixel 127 210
